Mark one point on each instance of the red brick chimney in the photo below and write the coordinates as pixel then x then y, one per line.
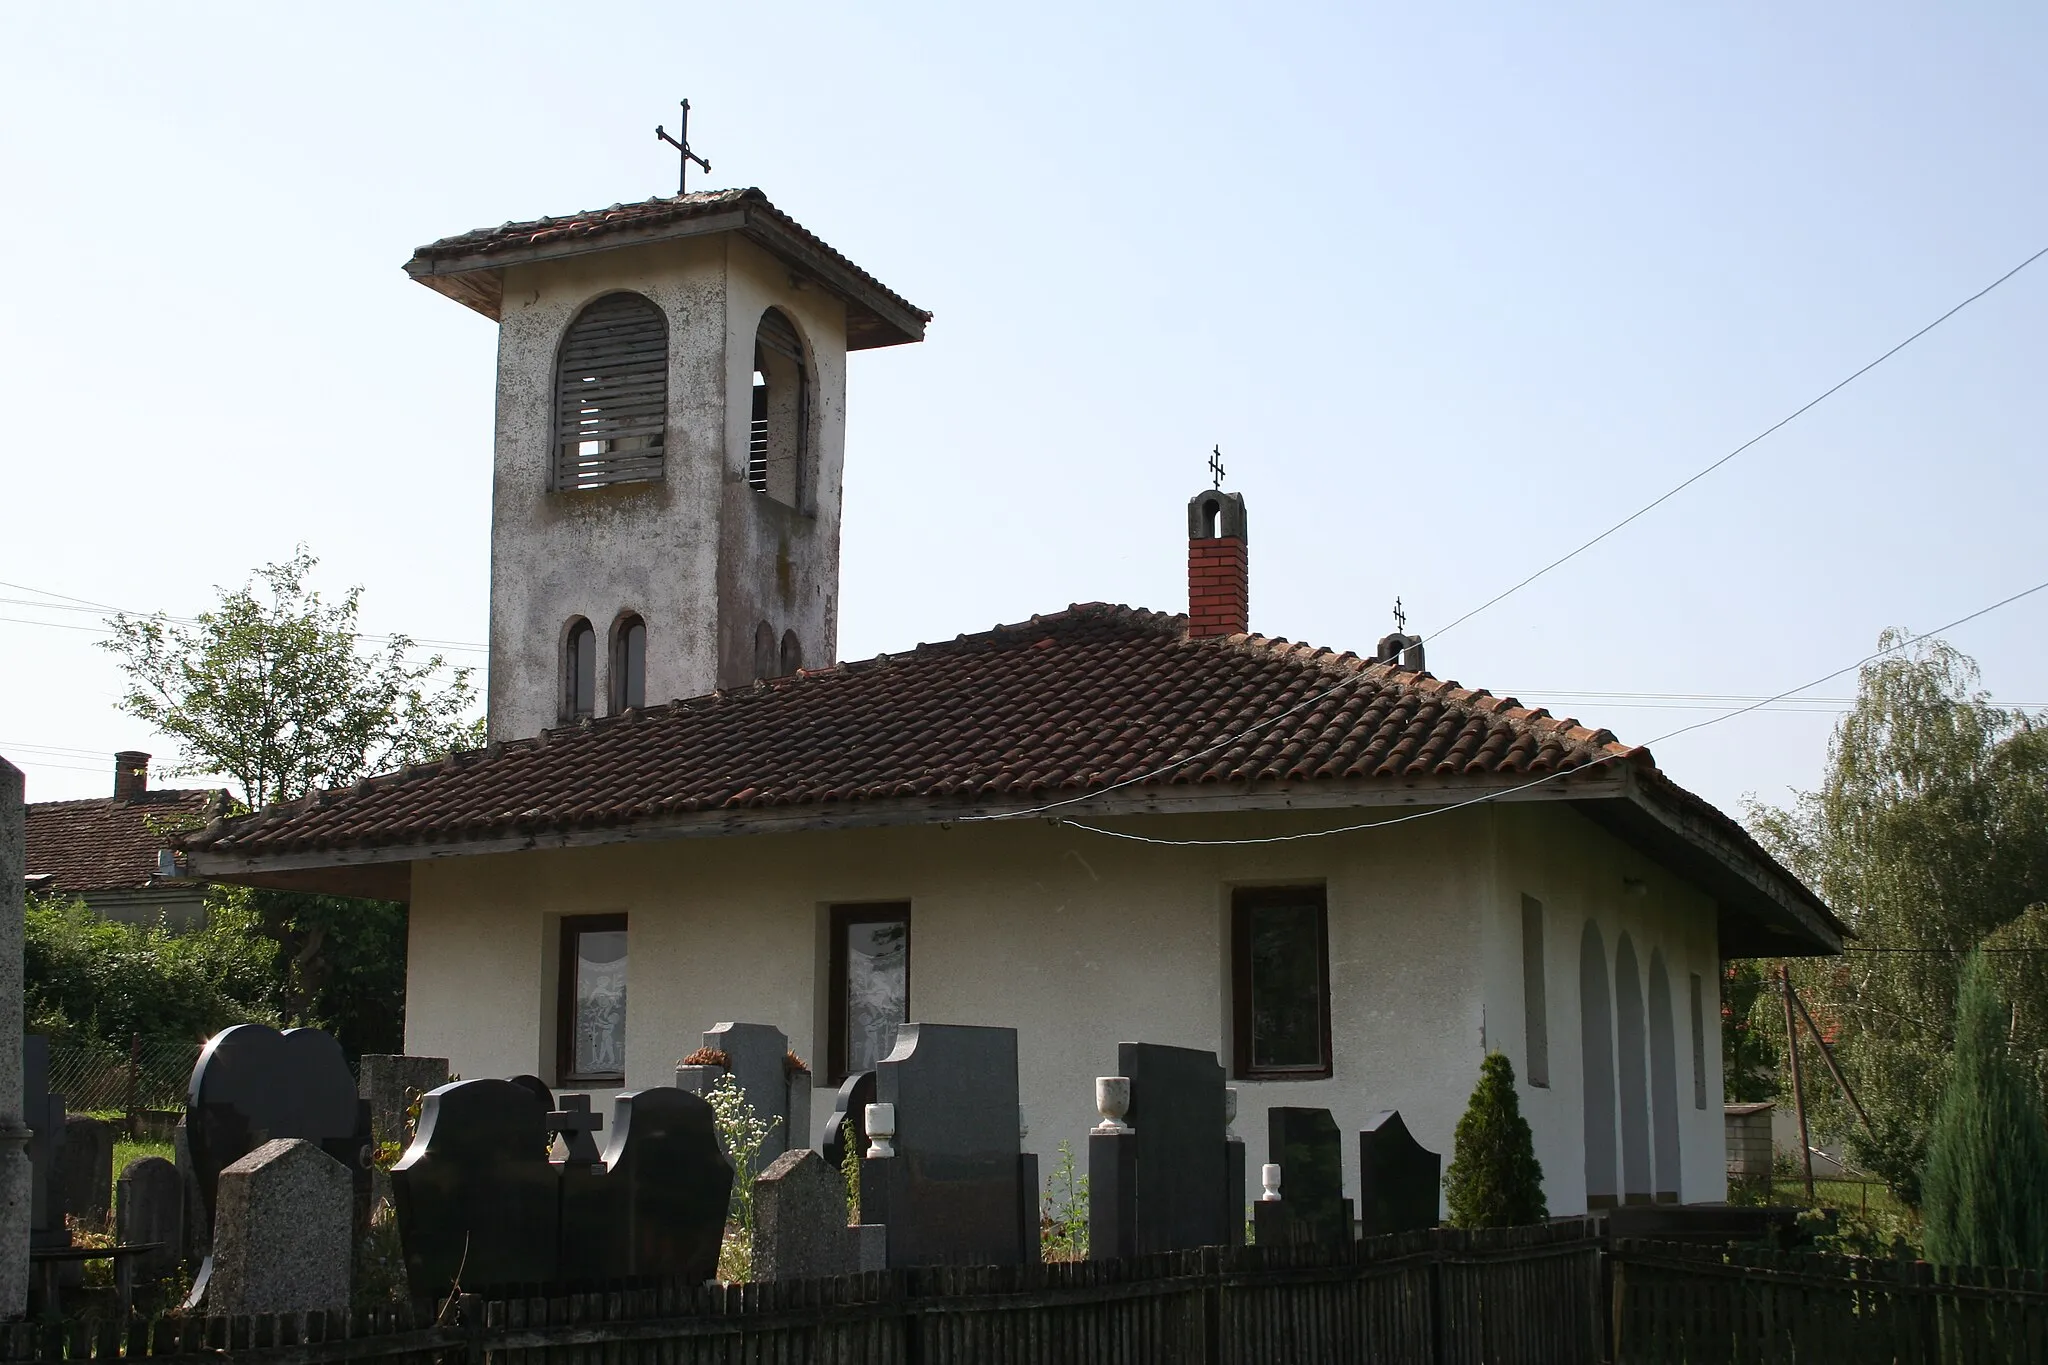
pixel 131 774
pixel 1219 584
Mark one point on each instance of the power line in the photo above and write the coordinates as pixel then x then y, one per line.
pixel 80 604
pixel 1353 678
pixel 1551 776
pixel 1776 426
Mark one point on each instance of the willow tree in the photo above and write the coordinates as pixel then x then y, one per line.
pixel 1928 836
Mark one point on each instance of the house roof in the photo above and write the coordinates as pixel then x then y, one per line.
pixel 105 844
pixel 469 267
pixel 1097 699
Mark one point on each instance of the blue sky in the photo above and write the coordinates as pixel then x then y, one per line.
pixel 1453 288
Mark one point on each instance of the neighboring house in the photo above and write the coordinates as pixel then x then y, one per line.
pixel 1346 876
pixel 114 852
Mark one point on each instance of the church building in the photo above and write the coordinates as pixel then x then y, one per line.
pixel 1349 878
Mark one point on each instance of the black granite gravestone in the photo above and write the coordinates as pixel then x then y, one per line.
pixel 475 1193
pixel 849 1103
pixel 1163 1186
pixel 1398 1178
pixel 44 1115
pixel 254 1084
pixel 949 1196
pixel 1309 1149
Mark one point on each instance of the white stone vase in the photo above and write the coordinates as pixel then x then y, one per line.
pixel 1112 1101
pixel 1269 1180
pixel 881 1130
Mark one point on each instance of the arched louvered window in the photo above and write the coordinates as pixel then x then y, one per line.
pixel 782 411
pixel 579 671
pixel 611 394
pixel 629 663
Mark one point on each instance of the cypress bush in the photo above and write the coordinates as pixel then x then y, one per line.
pixel 1985 1190
pixel 1495 1180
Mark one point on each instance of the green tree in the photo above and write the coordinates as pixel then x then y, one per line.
pixel 276 688
pixel 1928 836
pixel 1495 1180
pixel 1986 1184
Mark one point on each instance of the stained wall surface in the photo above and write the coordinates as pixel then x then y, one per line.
pixel 1079 942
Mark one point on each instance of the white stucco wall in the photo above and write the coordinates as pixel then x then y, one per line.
pixel 1076 941
pixel 693 553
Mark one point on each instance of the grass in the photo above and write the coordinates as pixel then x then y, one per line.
pixel 129 1149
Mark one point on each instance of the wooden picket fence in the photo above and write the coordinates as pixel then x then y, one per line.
pixel 1441 1297
pixel 1704 1305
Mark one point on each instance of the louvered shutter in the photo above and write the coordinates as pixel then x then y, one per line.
pixel 611 394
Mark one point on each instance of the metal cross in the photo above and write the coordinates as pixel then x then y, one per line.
pixel 1216 468
pixel 1400 617
pixel 682 145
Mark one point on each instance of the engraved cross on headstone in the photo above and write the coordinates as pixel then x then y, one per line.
pixel 681 143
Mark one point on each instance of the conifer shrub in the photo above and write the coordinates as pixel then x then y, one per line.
pixel 1495 1180
pixel 1985 1191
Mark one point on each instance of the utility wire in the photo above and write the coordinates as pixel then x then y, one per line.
pixel 1353 678
pixel 80 604
pixel 1581 770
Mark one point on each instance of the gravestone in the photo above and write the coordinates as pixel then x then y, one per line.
pixel 1309 1150
pixel 198 1232
pixel 44 1114
pixel 1164 1185
pixel 149 1207
pixel 475 1193
pixel 1398 1178
pixel 389 1081
pixel 283 1232
pixel 478 1193
pixel 849 1104
pixel 800 1229
pixel 87 1170
pixel 951 1193
pixel 254 1084
pixel 758 1057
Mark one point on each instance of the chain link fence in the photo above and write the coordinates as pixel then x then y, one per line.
pixel 96 1079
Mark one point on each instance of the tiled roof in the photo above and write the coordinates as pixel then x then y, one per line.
pixel 471 251
pixel 108 845
pixel 1053 707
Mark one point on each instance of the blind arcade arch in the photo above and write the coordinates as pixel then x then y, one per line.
pixel 611 395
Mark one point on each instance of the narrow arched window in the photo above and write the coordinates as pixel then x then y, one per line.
pixel 764 650
pixel 629 663
pixel 611 394
pixel 579 671
pixel 792 653
pixel 776 442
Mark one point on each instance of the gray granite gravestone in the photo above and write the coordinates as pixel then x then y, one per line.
pixel 475 1193
pixel 282 1232
pixel 800 1230
pixel 950 1194
pixel 149 1207
pixel 1309 1149
pixel 88 1169
pixel 1398 1178
pixel 44 1114
pixel 389 1082
pixel 758 1056
pixel 1164 1185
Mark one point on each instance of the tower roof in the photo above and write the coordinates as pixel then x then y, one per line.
pixel 470 267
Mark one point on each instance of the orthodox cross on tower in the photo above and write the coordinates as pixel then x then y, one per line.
pixel 682 144
pixel 1216 468
pixel 1400 617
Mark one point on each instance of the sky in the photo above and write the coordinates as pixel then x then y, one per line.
pixel 1454 288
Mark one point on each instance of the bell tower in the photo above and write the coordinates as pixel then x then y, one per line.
pixel 671 413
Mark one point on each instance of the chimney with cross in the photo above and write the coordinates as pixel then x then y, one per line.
pixel 1219 587
pixel 670 428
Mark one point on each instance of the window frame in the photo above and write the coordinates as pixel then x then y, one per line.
pixel 622 672
pixel 570 710
pixel 565 994
pixel 1244 901
pixel 566 467
pixel 844 917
